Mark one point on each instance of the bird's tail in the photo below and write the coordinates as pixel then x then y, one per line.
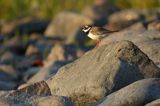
pixel 114 31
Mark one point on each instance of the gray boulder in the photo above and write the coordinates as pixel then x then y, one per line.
pixel 147 41
pixel 154 103
pixel 102 71
pixel 54 101
pixel 39 88
pixel 37 94
pixel 152 49
pixel 132 35
pixel 28 100
pixel 135 94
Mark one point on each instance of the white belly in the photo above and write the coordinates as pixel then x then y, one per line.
pixel 95 37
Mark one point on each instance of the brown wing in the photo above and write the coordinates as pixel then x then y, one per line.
pixel 100 31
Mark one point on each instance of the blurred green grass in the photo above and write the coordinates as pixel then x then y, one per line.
pixel 13 9
pixel 140 4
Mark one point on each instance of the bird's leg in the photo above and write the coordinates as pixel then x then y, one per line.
pixel 97 43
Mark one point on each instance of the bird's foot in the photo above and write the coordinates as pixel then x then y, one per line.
pixel 98 43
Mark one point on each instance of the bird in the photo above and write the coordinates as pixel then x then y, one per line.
pixel 96 33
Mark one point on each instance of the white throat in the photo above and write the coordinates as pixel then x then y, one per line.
pixel 94 37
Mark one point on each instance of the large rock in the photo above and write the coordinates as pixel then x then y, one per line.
pixel 152 49
pixel 132 35
pixel 66 25
pixel 27 100
pixel 147 41
pixel 102 71
pixel 39 88
pixel 54 101
pixel 154 103
pixel 136 94
pixel 36 94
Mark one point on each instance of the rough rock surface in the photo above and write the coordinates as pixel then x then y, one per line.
pixel 154 103
pixel 37 94
pixel 62 22
pixel 39 88
pixel 152 49
pixel 131 35
pixel 147 41
pixel 27 100
pixel 54 101
pixel 135 94
pixel 102 71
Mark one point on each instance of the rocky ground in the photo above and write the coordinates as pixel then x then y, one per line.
pixel 53 63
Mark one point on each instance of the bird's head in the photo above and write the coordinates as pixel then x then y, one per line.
pixel 86 28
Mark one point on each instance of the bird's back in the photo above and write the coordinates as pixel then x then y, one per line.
pixel 100 31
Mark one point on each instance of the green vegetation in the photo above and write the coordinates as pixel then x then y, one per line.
pixel 13 9
pixel 140 4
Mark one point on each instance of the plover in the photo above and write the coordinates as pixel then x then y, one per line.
pixel 96 33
